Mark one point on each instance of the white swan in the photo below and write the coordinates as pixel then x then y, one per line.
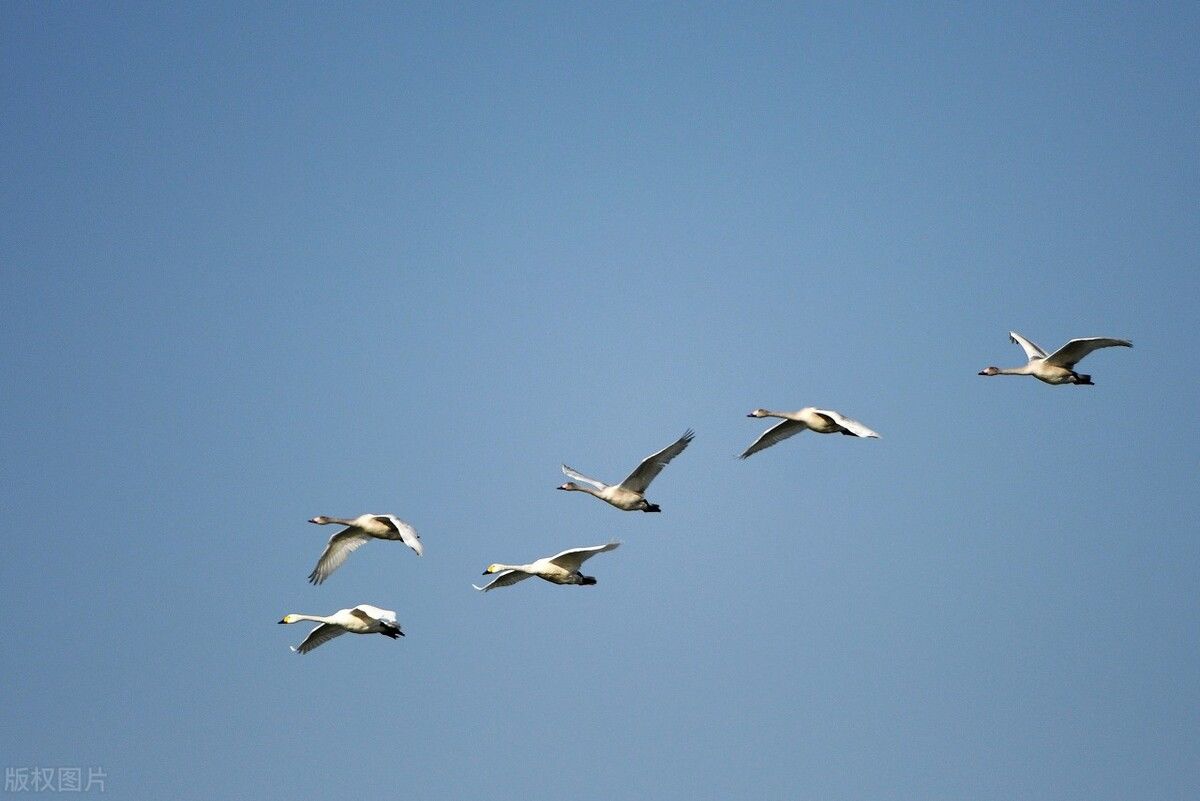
pixel 562 568
pixel 358 532
pixel 629 495
pixel 822 421
pixel 362 619
pixel 1057 368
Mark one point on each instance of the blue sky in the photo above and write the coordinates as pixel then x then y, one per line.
pixel 271 262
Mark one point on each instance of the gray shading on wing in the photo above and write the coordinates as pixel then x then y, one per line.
pixel 369 614
pixel 505 578
pixel 1076 349
pixel 571 472
pixel 1032 351
pixel 853 426
pixel 571 559
pixel 319 636
pixel 404 532
pixel 776 433
pixel 651 466
pixel 340 546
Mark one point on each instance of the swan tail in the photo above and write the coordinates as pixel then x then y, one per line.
pixel 587 581
pixel 1086 380
pixel 652 507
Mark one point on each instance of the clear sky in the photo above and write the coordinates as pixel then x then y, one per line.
pixel 294 259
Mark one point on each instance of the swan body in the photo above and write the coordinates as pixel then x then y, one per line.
pixel 358 532
pixel 822 421
pixel 1058 367
pixel 362 619
pixel 562 568
pixel 630 494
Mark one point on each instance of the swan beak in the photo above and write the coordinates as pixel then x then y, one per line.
pixel 749 415
pixel 312 520
pixel 283 621
pixel 484 573
pixel 982 372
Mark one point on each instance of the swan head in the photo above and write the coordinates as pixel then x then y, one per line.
pixel 289 619
pixel 492 568
pixel 570 485
pixel 990 371
pixel 320 520
pixel 759 413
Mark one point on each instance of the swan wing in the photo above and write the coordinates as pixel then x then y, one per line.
pixel 1076 349
pixel 319 636
pixel 575 474
pixel 652 465
pixel 853 426
pixel 505 578
pixel 1032 351
pixel 405 532
pixel 371 614
pixel 776 433
pixel 573 558
pixel 340 546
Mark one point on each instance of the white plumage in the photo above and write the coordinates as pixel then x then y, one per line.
pixel 359 532
pixel 822 421
pixel 630 494
pixel 362 619
pixel 562 568
pixel 1058 367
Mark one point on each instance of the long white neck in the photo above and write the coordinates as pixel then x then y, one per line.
pixel 313 618
pixel 522 568
pixel 336 520
pixel 1024 369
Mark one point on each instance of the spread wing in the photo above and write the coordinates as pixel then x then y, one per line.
pixel 505 578
pixel 776 433
pixel 573 558
pixel 319 636
pixel 853 426
pixel 371 614
pixel 404 532
pixel 1032 351
pixel 571 473
pixel 340 546
pixel 1076 349
pixel 651 466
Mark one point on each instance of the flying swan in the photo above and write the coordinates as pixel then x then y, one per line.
pixel 629 495
pixel 1058 367
pixel 362 619
pixel 822 421
pixel 357 533
pixel 562 568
